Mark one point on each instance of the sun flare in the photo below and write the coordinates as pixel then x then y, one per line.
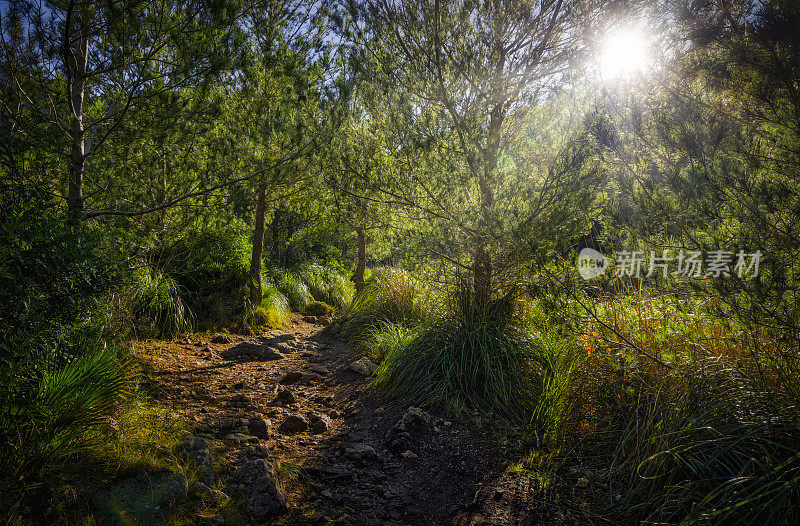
pixel 624 53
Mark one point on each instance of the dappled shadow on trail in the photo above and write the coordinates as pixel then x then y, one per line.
pixel 344 471
pixel 351 477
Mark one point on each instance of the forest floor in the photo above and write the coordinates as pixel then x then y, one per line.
pixel 347 467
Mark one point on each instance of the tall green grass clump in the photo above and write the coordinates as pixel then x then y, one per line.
pixel 210 268
pixel 388 339
pixel 391 297
pixel 273 312
pixel 698 429
pixel 295 290
pixel 552 418
pixel 328 285
pixel 701 446
pixel 476 361
pixel 157 308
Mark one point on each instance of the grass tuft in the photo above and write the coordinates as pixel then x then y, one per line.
pixel 392 297
pixel 466 363
pixel 157 308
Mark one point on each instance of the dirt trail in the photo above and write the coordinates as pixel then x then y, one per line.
pixel 341 470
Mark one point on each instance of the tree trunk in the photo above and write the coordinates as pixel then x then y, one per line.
pixel 361 263
pixel 482 263
pixel 482 267
pixel 258 246
pixel 75 64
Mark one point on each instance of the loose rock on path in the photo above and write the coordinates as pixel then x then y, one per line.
pixel 301 441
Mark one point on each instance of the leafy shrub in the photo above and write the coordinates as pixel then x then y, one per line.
pixel 50 423
pixel 57 379
pixel 52 278
pixel 699 429
pixel 210 268
pixel 319 308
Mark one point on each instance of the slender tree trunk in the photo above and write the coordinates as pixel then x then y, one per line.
pixel 275 228
pixel 258 246
pixel 361 263
pixel 482 267
pixel 75 63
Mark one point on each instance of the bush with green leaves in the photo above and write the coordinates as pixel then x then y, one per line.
pixel 58 378
pixel 53 277
pixel 50 422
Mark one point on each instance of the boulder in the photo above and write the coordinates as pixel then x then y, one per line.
pixel 364 366
pixel 256 451
pixel 237 438
pixel 203 492
pixel 360 451
pixel 292 377
pixel 286 395
pixel 319 369
pixel 203 393
pixel 221 338
pixel 255 487
pixel 294 424
pixel 195 450
pixel 145 498
pixel 318 422
pixel 252 350
pixel 259 427
pixel 239 400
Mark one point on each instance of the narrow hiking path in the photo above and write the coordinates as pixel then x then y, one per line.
pixel 343 458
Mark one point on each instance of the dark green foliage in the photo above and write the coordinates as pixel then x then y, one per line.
pixel 157 307
pixel 47 424
pixel 293 288
pixel 698 457
pixel 327 284
pixel 52 275
pixel 59 379
pixel 210 269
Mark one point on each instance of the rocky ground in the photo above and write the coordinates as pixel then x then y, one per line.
pixel 282 424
